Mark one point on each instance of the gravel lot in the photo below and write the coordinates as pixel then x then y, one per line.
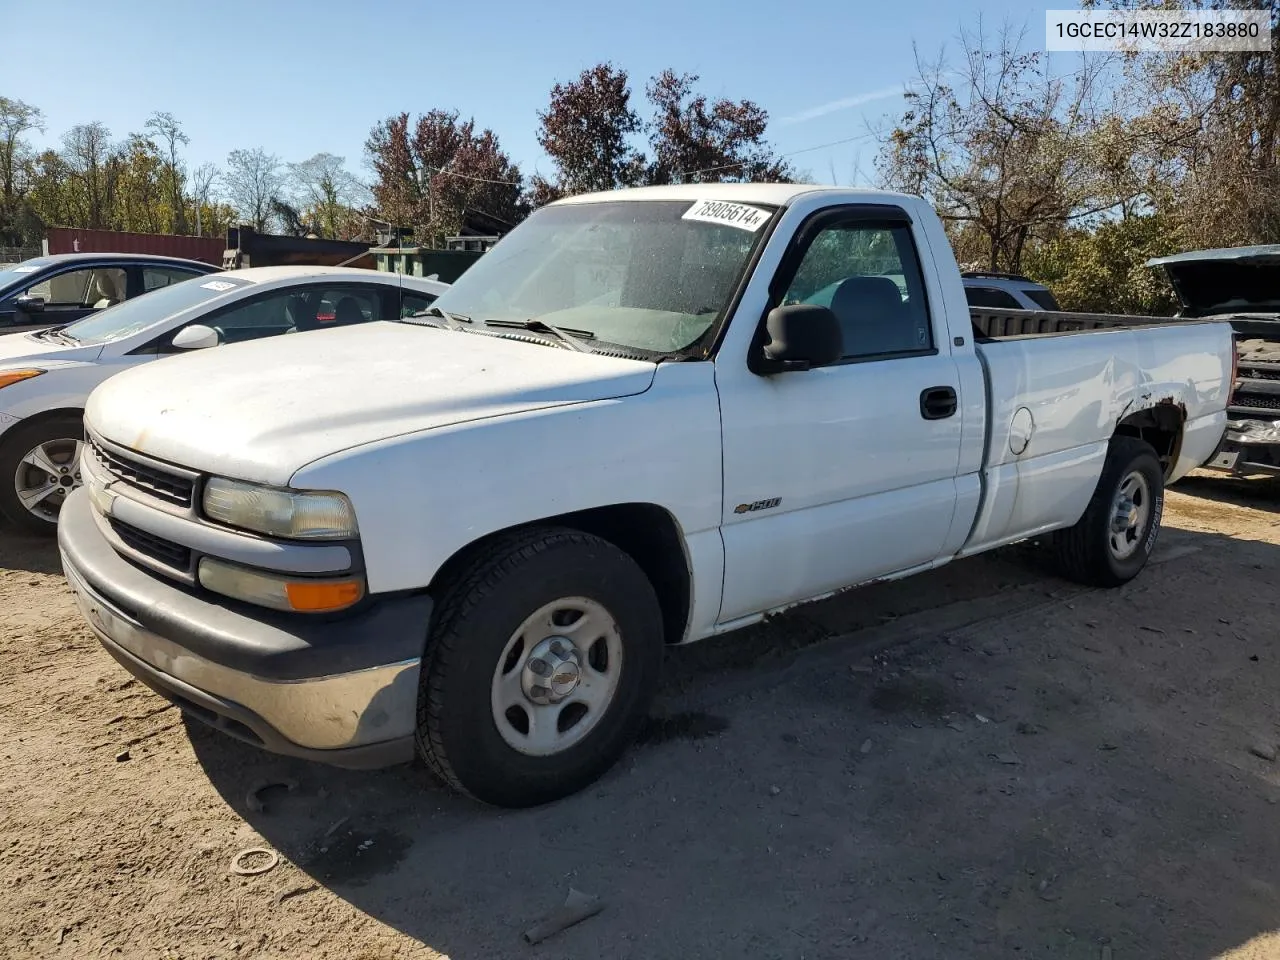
pixel 985 761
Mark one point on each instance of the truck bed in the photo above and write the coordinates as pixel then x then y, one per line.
pixel 1254 409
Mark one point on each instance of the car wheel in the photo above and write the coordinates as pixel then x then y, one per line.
pixel 1113 540
pixel 540 668
pixel 39 467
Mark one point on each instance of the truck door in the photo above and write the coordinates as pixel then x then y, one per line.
pixel 841 474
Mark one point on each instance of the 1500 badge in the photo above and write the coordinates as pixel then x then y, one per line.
pixel 758 505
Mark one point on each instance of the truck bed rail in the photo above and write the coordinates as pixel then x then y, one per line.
pixel 995 323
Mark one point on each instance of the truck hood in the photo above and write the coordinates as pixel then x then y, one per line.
pixel 1226 281
pixel 260 411
pixel 22 349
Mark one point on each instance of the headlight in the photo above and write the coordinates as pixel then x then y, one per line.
pixel 277 592
pixel 294 514
pixel 17 376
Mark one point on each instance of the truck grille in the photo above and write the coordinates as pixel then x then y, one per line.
pixel 154 480
pixel 1255 401
pixel 164 551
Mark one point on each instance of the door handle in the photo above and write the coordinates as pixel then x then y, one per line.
pixel 938 403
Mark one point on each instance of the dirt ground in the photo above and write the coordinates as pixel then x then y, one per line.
pixel 984 761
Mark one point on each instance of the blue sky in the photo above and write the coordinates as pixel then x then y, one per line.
pixel 299 78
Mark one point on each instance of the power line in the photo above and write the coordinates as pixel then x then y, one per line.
pixel 792 153
pixel 466 176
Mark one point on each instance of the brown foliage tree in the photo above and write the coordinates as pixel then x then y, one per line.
pixel 589 125
pixel 586 129
pixel 428 177
pixel 697 141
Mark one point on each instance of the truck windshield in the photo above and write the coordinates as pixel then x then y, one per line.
pixel 651 275
pixel 134 316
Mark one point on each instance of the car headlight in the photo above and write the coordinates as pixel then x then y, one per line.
pixel 9 377
pixel 276 512
pixel 277 592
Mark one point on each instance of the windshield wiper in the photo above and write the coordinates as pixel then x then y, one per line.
pixel 571 337
pixel 55 333
pixel 452 321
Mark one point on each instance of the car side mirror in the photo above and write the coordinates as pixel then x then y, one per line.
pixel 196 337
pixel 29 304
pixel 801 336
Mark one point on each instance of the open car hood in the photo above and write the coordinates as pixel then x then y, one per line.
pixel 1225 281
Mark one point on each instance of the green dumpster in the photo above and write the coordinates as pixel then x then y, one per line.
pixel 446 265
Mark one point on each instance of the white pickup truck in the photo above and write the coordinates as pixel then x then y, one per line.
pixel 644 418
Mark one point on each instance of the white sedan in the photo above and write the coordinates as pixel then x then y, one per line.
pixel 46 376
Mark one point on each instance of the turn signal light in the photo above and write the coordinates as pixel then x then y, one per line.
pixel 279 592
pixel 315 597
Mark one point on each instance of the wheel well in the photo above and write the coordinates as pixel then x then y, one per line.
pixel 42 417
pixel 1160 426
pixel 644 531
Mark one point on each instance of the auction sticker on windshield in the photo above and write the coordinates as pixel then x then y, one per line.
pixel 218 285
pixel 732 214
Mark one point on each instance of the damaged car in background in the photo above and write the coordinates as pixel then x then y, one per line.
pixel 1241 285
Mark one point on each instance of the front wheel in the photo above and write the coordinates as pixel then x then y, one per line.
pixel 1112 542
pixel 540 668
pixel 39 467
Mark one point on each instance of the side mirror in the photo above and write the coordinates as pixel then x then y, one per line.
pixel 801 336
pixel 196 337
pixel 29 304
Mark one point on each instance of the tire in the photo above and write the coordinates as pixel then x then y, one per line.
pixel 1093 552
pixel 480 674
pixel 60 437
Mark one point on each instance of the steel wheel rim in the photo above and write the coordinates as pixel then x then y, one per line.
pixel 1129 513
pixel 46 475
pixel 557 676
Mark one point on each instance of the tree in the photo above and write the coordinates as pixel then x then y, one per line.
pixel 589 127
pixel 86 149
pixel 696 141
pixel 202 182
pixel 137 187
pixel 1005 152
pixel 169 130
pixel 430 175
pixel 586 131
pixel 252 180
pixel 1103 270
pixel 1215 118
pixel 327 194
pixel 49 193
pixel 16 119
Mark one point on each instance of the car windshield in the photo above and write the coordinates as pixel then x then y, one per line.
pixel 650 275
pixel 14 275
pixel 134 316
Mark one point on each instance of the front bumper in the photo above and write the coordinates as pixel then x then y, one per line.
pixel 1244 459
pixel 339 690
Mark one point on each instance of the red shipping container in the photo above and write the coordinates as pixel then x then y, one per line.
pixel 75 240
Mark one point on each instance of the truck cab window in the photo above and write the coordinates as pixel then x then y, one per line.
pixel 869 276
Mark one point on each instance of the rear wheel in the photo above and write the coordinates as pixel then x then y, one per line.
pixel 39 467
pixel 1113 540
pixel 540 668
